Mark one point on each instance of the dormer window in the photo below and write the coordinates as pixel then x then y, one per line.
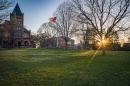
pixel 25 35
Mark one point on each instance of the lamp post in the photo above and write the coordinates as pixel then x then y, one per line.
pixel 57 39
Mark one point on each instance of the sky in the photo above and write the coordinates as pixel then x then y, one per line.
pixel 37 12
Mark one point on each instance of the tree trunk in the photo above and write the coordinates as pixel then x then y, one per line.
pixel 66 45
pixel 103 49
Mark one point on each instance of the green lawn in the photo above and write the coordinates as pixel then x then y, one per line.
pixel 59 67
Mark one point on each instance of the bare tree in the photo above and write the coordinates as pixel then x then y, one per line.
pixel 48 34
pixel 106 17
pixel 65 25
pixel 4 8
pixel 85 35
pixel 4 13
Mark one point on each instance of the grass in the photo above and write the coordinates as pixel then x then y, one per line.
pixel 59 67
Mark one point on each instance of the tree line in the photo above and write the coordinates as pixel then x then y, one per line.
pixel 98 20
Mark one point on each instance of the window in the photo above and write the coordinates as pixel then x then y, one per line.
pixel 25 35
pixel 19 22
pixel 17 34
pixel 14 34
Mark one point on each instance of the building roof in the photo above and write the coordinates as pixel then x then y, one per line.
pixel 25 30
pixel 17 10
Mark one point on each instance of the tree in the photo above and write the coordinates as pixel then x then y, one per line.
pixel 4 8
pixel 86 36
pixel 113 42
pixel 65 26
pixel 34 38
pixel 47 33
pixel 106 17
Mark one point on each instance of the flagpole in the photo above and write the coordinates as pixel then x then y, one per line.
pixel 57 38
pixel 53 19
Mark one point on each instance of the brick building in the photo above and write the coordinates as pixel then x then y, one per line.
pixel 61 42
pixel 13 33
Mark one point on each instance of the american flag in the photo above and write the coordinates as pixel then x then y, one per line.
pixel 52 19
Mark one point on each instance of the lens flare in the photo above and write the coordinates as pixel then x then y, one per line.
pixel 93 57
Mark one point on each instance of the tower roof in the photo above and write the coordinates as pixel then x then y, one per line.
pixel 25 30
pixel 17 10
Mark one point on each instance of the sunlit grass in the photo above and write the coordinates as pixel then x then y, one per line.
pixel 83 53
pixel 60 67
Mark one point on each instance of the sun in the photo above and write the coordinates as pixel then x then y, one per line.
pixel 103 41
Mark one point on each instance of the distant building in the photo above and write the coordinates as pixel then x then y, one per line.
pixel 13 33
pixel 61 42
pixel 126 46
pixel 52 43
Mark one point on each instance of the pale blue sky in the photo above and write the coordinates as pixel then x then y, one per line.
pixel 37 12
